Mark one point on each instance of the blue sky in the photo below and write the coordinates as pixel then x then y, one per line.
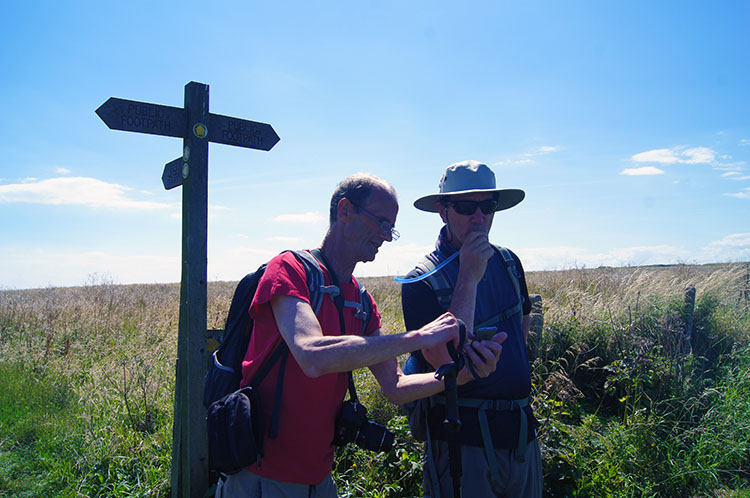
pixel 626 123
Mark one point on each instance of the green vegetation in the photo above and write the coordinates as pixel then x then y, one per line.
pixel 630 405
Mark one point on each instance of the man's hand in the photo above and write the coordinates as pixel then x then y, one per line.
pixel 441 330
pixel 483 355
pixel 475 252
pixel 437 353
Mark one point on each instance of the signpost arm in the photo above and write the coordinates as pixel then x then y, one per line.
pixel 190 448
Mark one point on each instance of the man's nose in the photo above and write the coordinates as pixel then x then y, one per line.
pixel 477 217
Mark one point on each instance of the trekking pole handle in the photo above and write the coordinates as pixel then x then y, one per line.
pixel 461 341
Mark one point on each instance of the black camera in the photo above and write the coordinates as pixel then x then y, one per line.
pixel 352 426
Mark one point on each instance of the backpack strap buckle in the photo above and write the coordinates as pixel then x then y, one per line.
pixel 332 290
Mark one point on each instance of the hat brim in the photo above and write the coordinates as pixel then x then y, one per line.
pixel 507 198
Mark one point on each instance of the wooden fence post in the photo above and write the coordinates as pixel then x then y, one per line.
pixel 536 326
pixel 689 315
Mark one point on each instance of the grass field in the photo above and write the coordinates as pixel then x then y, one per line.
pixel 629 405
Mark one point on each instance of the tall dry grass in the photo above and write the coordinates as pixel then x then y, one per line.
pixel 91 404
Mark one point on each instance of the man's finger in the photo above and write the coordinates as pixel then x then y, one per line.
pixel 499 338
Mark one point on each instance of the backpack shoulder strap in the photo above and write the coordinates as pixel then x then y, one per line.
pixel 514 276
pixel 438 281
pixel 315 285
pixel 315 281
pixel 510 266
pixel 363 309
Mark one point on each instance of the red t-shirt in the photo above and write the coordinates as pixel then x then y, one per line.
pixel 302 452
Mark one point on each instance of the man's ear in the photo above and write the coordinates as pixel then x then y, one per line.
pixel 344 209
pixel 442 210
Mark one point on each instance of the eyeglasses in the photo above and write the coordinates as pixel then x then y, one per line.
pixel 467 208
pixel 384 224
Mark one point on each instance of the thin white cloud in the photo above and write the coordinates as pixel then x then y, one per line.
pixel 290 240
pixel 526 158
pixel 545 149
pixel 564 257
pixel 62 171
pixel 735 175
pixel 78 191
pixel 733 247
pixel 309 217
pixel 393 259
pixel 745 194
pixel 699 155
pixel 734 240
pixel 745 141
pixel 677 155
pixel 644 171
pixel 26 268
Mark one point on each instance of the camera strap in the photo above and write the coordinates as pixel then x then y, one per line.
pixel 338 300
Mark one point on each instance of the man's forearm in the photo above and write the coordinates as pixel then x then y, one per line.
pixel 329 354
pixel 319 354
pixel 400 388
pixel 462 306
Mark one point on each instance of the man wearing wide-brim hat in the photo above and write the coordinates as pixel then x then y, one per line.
pixel 484 285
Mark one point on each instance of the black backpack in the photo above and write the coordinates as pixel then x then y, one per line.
pixel 222 382
pixel 225 372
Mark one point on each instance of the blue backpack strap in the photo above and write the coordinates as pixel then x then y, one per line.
pixel 438 281
pixel 510 266
pixel 317 287
pixel 363 309
pixel 514 276
pixel 315 282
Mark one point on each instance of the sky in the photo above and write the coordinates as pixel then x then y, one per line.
pixel 627 124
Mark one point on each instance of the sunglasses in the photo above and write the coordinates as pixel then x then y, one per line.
pixel 467 208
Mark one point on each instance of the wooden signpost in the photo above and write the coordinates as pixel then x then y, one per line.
pixel 196 126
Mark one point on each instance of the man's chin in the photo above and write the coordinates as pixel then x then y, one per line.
pixel 370 255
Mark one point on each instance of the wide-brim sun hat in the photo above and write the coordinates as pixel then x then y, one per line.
pixel 468 177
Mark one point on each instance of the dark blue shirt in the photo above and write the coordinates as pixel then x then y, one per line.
pixel 495 293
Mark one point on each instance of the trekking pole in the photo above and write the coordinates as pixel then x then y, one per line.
pixel 452 423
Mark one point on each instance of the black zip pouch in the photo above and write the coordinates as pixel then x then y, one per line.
pixel 235 431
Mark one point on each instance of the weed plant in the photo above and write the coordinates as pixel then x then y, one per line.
pixel 631 402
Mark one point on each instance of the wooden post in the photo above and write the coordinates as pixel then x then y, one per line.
pixel 196 126
pixel 190 449
pixel 536 326
pixel 689 315
pixel 746 291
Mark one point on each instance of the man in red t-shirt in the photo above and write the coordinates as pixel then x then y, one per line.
pixel 298 462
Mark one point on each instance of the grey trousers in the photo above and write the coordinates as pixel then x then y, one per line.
pixel 245 484
pixel 517 479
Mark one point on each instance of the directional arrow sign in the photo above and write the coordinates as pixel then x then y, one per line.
pixel 173 173
pixel 155 119
pixel 241 132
